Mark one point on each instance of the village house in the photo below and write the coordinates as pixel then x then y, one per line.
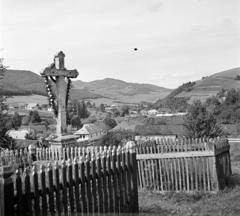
pixel 33 106
pixel 91 131
pixel 20 133
pixel 143 112
pixel 152 112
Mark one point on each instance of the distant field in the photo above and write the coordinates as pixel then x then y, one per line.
pixel 28 99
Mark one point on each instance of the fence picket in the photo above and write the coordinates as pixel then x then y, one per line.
pixel 20 210
pixel 57 187
pixel 36 190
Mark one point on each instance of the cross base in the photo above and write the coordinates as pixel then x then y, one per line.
pixel 62 141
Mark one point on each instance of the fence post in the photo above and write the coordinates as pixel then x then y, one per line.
pixel 133 162
pixel 32 152
pixel 215 170
pixel 6 191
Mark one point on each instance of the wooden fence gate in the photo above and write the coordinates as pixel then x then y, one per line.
pixel 183 165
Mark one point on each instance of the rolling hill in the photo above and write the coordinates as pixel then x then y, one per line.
pixel 208 86
pixel 21 82
pixel 121 91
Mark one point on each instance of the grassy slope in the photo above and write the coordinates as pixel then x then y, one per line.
pixel 118 90
pixel 23 82
pixel 213 84
pixel 223 203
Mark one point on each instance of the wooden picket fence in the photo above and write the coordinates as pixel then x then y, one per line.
pixel 17 158
pixel 100 180
pixel 183 165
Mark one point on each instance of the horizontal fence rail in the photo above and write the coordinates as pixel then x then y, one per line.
pixel 102 180
pixel 183 165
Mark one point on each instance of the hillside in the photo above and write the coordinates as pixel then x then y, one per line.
pixel 122 91
pixel 22 82
pixel 208 86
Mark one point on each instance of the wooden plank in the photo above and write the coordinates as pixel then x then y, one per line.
pixel 94 186
pixel 83 186
pixel 76 181
pixel 120 181
pixel 142 172
pixel 195 168
pixel 208 175
pixel 200 172
pixel 160 174
pixel 115 186
pixel 50 188
pixel 99 188
pixel 28 193
pixel 175 155
pixel 187 174
pixel 157 170
pixel 135 207
pixel 140 184
pixel 183 173
pixel 20 209
pixel 176 179
pixel 44 192
pixel 191 169
pixel 36 190
pixel 128 175
pixel 107 183
pixel 204 171
pixel 70 183
pixel 57 187
pixel 124 176
pixel 64 185
pixel 179 171
pixel 88 186
pixel 167 165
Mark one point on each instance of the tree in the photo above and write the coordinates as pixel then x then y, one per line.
pixel 17 120
pixel 199 122
pixel 82 110
pixel 35 117
pixel 118 137
pixel 78 108
pixel 32 135
pixel 124 110
pixel 5 140
pixel 102 108
pixel 26 120
pixel 76 122
pixel 110 122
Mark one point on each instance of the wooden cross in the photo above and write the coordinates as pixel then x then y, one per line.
pixel 58 70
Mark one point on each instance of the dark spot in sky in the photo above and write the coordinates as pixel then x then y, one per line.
pixel 135 49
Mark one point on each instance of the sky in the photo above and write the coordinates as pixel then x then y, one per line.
pixel 177 41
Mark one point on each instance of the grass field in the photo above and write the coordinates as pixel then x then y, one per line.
pixel 28 99
pixel 223 203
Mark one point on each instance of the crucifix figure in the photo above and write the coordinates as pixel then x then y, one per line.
pixel 62 78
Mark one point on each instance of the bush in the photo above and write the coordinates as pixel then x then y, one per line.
pixel 118 137
pixel 199 122
pixel 110 122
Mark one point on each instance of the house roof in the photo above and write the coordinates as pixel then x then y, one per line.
pixel 92 128
pixel 32 104
pixel 19 134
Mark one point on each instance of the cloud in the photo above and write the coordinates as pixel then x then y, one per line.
pixel 155 6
